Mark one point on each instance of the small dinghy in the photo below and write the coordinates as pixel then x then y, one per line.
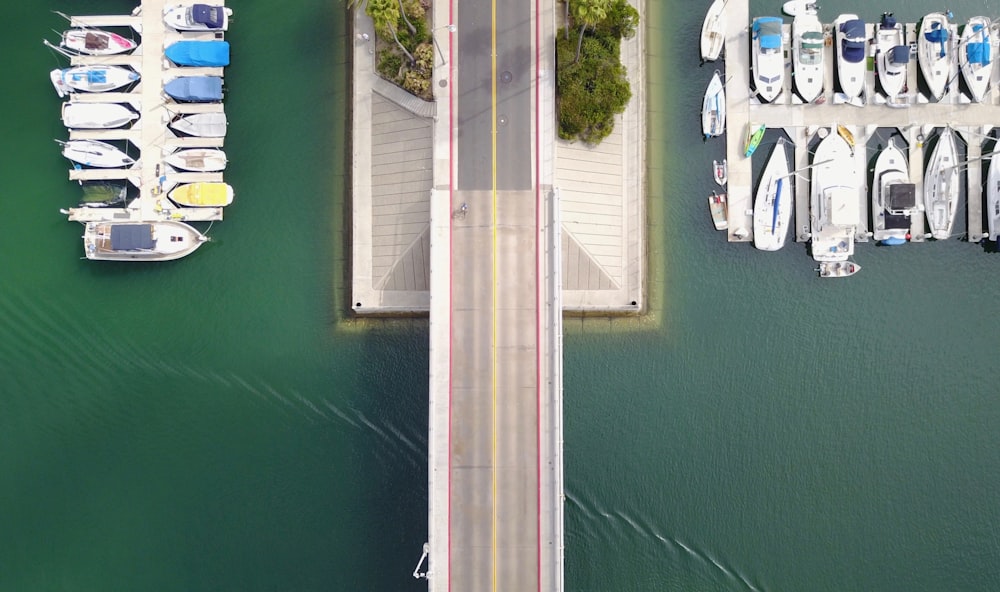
pixel 202 160
pixel 721 171
pixel 830 269
pixel 96 154
pixel 717 206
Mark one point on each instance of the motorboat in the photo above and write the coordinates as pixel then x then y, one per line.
pixel 161 240
pixel 194 89
pixel 96 42
pixel 834 200
pixel 202 195
pixel 849 34
pixel 86 115
pixel 993 198
pixel 934 53
pixel 713 113
pixel 755 133
pixel 772 210
pixel 894 198
pixel 830 269
pixel 807 55
pixel 713 32
pixel 197 17
pixel 767 57
pixel 91 79
pixel 941 186
pixel 96 154
pixel 202 125
pixel 717 206
pixel 975 57
pixel 200 160
pixel 797 7
pixel 198 53
pixel 721 171
pixel 892 55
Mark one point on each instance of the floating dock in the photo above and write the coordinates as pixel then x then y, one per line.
pixel 916 121
pixel 150 134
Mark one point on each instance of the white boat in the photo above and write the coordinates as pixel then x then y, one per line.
pixel 894 198
pixel 830 269
pixel 797 7
pixel 91 79
pixel 993 198
pixel 834 200
pixel 941 186
pixel 717 206
pixel 849 37
pixel 202 125
pixel 976 57
pixel 713 111
pixel 163 240
pixel 197 159
pixel 721 171
pixel 96 115
pixel 892 55
pixel 772 210
pixel 767 57
pixel 807 55
pixel 96 154
pixel 96 42
pixel 197 17
pixel 934 53
pixel 713 32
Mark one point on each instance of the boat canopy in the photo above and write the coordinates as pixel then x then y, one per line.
pixel 768 30
pixel 853 51
pixel 210 16
pixel 978 53
pixel 132 237
pixel 939 35
pixel 195 88
pixel 899 54
pixel 812 40
pixel 888 21
pixel 853 29
pixel 90 75
pixel 198 53
pixel 902 196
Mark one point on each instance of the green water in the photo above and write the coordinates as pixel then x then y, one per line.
pixel 218 423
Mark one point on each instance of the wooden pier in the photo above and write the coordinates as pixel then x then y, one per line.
pixel 916 122
pixel 150 134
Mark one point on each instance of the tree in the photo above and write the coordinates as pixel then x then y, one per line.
pixel 588 13
pixel 385 15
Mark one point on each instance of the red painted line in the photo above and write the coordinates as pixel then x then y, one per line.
pixel 538 302
pixel 451 281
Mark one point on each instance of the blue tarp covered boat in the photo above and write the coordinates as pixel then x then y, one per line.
pixel 199 89
pixel 198 53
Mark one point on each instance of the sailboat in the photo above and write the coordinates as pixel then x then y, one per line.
pixel 91 79
pixel 934 53
pixel 96 154
pixel 772 210
pixel 976 57
pixel 96 42
pixel 202 125
pixel 200 160
pixel 713 32
pixel 713 114
pixel 96 115
pixel 894 198
pixel 941 186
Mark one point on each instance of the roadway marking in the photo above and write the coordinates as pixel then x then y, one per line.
pixel 493 133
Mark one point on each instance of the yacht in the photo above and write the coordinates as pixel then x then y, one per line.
pixel 767 57
pixel 849 33
pixel 894 198
pixel 941 186
pixel 892 55
pixel 975 57
pixel 772 210
pixel 934 53
pixel 807 55
pixel 834 201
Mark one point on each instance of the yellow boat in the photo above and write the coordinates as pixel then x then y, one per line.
pixel 847 135
pixel 202 195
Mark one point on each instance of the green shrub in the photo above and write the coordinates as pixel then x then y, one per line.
pixel 417 83
pixel 389 64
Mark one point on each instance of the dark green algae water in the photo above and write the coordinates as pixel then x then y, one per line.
pixel 221 423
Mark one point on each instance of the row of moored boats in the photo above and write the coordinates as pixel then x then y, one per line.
pixel 165 237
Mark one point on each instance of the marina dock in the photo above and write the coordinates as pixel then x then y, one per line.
pixel 917 121
pixel 150 134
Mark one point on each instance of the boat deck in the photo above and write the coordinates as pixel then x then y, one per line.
pixel 150 133
pixel 915 122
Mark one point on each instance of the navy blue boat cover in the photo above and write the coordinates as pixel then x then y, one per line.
pixel 853 29
pixel 899 54
pixel 210 16
pixel 198 53
pixel 200 89
pixel 132 237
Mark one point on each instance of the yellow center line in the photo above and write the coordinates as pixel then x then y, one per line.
pixel 493 130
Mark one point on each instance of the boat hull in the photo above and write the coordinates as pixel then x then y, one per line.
pixel 164 240
pixel 718 206
pixel 713 114
pixel 202 195
pixel 96 154
pixel 197 160
pixel 96 42
pixel 807 56
pixel 202 125
pixel 713 32
pixel 976 43
pixel 192 18
pixel 768 62
pixel 835 269
pixel 96 115
pixel 834 200
pixel 891 75
pixel 772 209
pixel 941 186
pixel 935 57
pixel 850 67
pixel 890 227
